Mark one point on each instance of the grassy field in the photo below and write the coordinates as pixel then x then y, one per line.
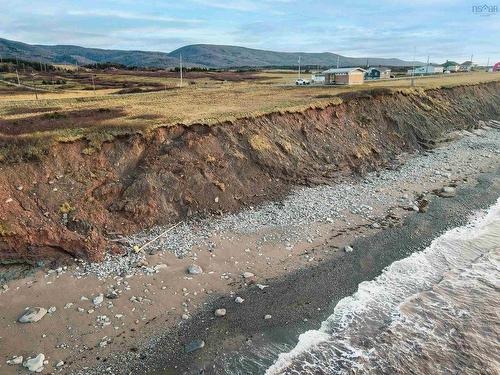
pixel 74 110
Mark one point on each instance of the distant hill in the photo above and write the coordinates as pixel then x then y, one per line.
pixel 203 55
pixel 212 55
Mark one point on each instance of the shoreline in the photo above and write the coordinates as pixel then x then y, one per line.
pixel 157 293
pixel 308 293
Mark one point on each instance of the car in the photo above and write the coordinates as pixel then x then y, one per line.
pixel 301 82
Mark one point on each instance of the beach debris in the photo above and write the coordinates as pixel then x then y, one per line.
pixel 160 266
pixel 220 312
pixel 32 315
pixel 194 269
pixel 35 364
pixel 239 300
pixel 52 309
pixel 97 300
pixel 112 294
pixel 194 345
pixel 16 360
pixel 267 316
pixel 447 192
pixel 262 287
pixel 60 364
pixel 423 205
pixel 69 305
pixel 247 275
pixel 348 249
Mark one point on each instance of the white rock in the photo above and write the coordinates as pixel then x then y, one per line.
pixel 35 364
pixel 52 309
pixel 247 275
pixel 348 249
pixel 185 316
pixel 32 315
pixel 97 300
pixel 220 312
pixel 194 269
pixel 239 300
pixel 60 364
pixel 262 287
pixel 15 361
pixel 160 266
pixel 267 316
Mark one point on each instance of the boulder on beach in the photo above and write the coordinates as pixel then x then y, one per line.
pixel 32 315
pixel 194 269
pixel 447 192
pixel 220 312
pixel 348 249
pixel 35 364
pixel 247 275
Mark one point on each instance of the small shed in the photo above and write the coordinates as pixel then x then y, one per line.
pixel 344 76
pixel 377 73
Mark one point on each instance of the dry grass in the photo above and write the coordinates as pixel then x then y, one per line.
pixel 207 102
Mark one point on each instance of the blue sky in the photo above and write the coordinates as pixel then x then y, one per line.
pixel 443 29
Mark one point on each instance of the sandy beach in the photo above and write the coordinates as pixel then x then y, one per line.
pixel 137 313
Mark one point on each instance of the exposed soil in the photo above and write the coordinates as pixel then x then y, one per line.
pixel 49 121
pixel 70 202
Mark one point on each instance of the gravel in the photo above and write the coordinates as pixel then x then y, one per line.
pixel 289 221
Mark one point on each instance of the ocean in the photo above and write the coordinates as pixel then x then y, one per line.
pixel 435 312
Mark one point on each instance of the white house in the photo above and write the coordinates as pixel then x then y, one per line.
pixel 426 69
pixel 318 78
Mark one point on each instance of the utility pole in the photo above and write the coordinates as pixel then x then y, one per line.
pixel 299 67
pixel 34 87
pixel 18 81
pixel 427 68
pixel 180 63
pixel 93 82
pixel 338 61
pixel 488 65
pixel 412 82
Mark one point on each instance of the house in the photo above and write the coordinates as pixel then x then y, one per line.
pixel 426 69
pixel 318 78
pixel 378 73
pixel 451 66
pixel 344 76
pixel 496 67
pixel 466 66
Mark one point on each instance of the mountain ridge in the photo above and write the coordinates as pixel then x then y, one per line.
pixel 202 55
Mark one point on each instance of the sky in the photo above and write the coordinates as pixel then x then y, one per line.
pixel 441 29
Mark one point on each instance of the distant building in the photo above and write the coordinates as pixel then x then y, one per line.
pixel 466 66
pixel 318 78
pixel 496 67
pixel 451 66
pixel 426 69
pixel 377 73
pixel 344 76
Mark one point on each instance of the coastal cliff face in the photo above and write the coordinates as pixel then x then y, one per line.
pixel 69 203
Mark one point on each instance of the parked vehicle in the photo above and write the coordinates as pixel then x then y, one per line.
pixel 301 82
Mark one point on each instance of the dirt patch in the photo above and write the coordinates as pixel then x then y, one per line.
pixel 50 121
pixel 24 110
pixel 135 181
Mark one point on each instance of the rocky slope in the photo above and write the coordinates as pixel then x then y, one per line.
pixel 69 203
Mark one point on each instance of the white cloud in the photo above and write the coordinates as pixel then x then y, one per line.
pixel 129 16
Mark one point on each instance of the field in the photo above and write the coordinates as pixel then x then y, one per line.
pixel 131 101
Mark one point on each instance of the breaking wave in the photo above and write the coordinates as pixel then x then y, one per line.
pixel 433 312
